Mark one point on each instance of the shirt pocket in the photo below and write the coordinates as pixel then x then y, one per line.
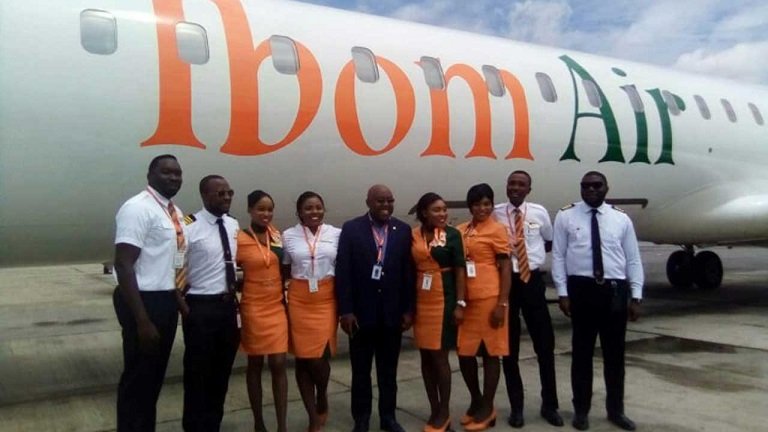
pixel 577 233
pixel 611 239
pixel 532 230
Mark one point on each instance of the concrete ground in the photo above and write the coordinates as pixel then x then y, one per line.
pixel 696 361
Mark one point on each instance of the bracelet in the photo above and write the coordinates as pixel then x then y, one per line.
pixel 505 304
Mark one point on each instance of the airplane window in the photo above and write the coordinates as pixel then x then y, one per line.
pixel 98 31
pixel 192 43
pixel 366 68
pixel 546 87
pixel 669 98
pixel 729 110
pixel 756 114
pixel 493 81
pixel 634 98
pixel 285 58
pixel 703 108
pixel 592 94
pixel 433 72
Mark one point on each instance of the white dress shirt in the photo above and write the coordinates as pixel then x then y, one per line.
pixel 572 247
pixel 143 221
pixel 536 225
pixel 296 251
pixel 206 271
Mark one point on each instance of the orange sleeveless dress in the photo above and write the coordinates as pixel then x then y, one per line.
pixel 265 321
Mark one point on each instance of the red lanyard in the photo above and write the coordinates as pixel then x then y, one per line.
pixel 380 242
pixel 312 247
pixel 176 225
pixel 266 253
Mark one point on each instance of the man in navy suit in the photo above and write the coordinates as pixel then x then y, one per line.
pixel 375 294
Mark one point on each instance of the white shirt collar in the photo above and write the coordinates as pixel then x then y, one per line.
pixel 208 216
pixel 163 200
pixel 513 208
pixel 603 207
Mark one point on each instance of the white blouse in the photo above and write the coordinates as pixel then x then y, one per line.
pixel 297 244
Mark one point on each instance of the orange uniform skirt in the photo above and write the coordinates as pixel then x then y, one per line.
pixel 476 329
pixel 312 318
pixel 265 321
pixel 433 327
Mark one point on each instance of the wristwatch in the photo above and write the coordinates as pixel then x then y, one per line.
pixel 461 303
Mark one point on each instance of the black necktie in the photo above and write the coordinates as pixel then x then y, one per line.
pixel 597 252
pixel 228 264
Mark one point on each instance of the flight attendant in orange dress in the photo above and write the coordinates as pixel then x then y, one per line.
pixel 438 255
pixel 265 320
pixel 310 251
pixel 484 331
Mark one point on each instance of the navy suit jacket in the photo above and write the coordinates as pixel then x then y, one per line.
pixel 381 301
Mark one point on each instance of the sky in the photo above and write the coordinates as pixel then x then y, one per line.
pixel 725 38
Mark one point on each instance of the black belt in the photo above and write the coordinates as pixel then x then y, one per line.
pixel 209 298
pixel 596 282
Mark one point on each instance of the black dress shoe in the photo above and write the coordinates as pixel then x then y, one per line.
pixel 622 421
pixel 390 425
pixel 360 427
pixel 580 421
pixel 552 417
pixel 516 419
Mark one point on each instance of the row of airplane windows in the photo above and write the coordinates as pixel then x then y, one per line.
pixel 98 35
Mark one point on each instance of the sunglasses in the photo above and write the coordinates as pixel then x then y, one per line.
pixel 592 185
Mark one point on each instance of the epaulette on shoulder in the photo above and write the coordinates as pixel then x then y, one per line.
pixel 189 219
pixel 618 209
pixel 569 206
pixel 231 216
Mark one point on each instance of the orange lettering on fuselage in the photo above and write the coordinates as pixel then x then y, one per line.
pixel 174 124
pixel 346 108
pixel 244 62
pixel 440 142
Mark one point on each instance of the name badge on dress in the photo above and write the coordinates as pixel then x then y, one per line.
pixel 426 283
pixel 471 270
pixel 313 287
pixel 376 272
pixel 239 320
pixel 515 265
pixel 179 258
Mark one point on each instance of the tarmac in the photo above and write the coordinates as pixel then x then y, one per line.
pixel 696 361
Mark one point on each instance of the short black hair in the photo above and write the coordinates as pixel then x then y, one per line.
pixel 525 173
pixel 156 161
pixel 597 173
pixel 423 204
pixel 304 197
pixel 256 196
pixel 204 181
pixel 476 193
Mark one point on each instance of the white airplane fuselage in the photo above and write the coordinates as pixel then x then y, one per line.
pixel 77 129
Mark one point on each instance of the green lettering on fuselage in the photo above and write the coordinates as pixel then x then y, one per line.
pixel 666 127
pixel 613 152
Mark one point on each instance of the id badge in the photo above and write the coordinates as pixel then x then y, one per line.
pixel 515 265
pixel 426 283
pixel 376 272
pixel 313 288
pixel 179 259
pixel 239 320
pixel 471 270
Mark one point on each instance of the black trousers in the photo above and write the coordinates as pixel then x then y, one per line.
pixel 598 310
pixel 143 373
pixel 531 300
pixel 211 339
pixel 383 343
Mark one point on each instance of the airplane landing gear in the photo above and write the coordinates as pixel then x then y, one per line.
pixel 685 268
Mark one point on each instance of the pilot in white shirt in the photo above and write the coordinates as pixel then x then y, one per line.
pixel 595 261
pixel 211 327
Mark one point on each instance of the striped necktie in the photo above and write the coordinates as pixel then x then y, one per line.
pixel 520 252
pixel 181 245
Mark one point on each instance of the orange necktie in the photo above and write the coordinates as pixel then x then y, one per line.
pixel 181 273
pixel 522 255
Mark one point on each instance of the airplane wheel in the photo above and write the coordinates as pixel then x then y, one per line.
pixel 680 269
pixel 707 270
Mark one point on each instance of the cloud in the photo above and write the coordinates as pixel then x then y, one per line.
pixel 744 61
pixel 720 37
